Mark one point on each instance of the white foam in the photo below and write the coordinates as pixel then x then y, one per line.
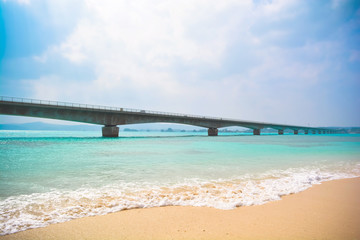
pixel 40 209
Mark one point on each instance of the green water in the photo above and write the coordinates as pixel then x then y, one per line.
pixel 53 173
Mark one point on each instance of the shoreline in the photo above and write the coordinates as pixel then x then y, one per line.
pixel 330 210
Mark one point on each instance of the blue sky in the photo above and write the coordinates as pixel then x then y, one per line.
pixel 293 61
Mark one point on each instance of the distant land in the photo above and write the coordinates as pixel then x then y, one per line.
pixel 164 127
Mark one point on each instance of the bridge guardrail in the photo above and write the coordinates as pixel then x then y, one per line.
pixel 99 107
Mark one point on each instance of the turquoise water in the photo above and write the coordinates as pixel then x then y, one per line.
pixel 53 176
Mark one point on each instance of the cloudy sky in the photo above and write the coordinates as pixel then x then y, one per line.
pixel 281 61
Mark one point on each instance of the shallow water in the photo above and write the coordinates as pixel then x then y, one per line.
pixel 53 176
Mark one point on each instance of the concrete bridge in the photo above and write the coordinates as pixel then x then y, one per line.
pixel 111 117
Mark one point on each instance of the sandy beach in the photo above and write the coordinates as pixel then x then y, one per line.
pixel 330 210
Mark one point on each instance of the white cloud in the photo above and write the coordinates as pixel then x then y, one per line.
pixel 277 9
pixel 159 55
pixel 152 33
pixel 134 46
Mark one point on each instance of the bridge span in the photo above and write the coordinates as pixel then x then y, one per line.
pixel 111 117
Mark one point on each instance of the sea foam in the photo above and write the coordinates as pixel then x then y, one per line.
pixel 18 213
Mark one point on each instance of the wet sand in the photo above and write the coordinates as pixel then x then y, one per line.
pixel 330 210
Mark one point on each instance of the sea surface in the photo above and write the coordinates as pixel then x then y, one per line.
pixel 53 176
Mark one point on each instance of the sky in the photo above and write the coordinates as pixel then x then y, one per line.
pixel 282 61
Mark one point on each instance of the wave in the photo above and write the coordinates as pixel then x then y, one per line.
pixel 18 213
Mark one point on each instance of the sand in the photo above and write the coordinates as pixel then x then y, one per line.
pixel 330 210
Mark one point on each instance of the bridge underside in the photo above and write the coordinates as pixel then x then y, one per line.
pixel 110 119
pixel 113 131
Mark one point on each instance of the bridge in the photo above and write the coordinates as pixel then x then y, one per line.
pixel 111 117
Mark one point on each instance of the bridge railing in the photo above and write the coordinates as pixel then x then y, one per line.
pixel 97 107
pixel 107 108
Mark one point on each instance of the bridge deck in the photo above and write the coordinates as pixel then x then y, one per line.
pixel 110 117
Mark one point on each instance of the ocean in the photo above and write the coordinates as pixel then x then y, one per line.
pixel 48 177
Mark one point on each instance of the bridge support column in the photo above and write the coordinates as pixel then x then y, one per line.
pixel 213 132
pixel 296 132
pixel 306 131
pixel 110 131
pixel 281 131
pixel 313 132
pixel 256 131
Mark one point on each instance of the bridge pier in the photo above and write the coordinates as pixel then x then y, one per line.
pixel 110 131
pixel 256 131
pixel 296 132
pixel 213 132
pixel 281 131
